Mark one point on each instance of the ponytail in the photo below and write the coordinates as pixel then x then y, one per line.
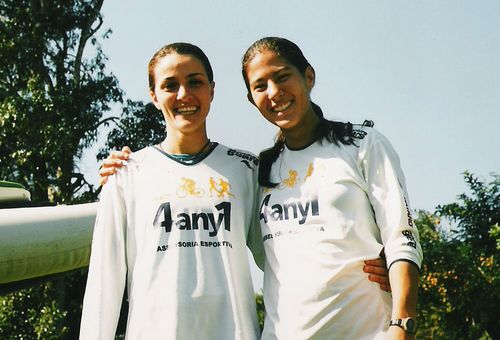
pixel 266 160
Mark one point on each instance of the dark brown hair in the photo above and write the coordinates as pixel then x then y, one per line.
pixel 181 48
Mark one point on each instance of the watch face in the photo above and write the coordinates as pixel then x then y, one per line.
pixel 410 325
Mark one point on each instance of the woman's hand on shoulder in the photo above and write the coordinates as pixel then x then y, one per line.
pixel 116 159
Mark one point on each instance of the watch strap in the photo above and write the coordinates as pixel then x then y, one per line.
pixel 407 324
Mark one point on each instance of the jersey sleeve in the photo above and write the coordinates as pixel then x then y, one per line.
pixel 388 196
pixel 107 270
pixel 254 236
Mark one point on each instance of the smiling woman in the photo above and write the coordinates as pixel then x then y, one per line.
pixel 333 197
pixel 174 224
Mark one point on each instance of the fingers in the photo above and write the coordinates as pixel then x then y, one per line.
pixel 383 281
pixel 104 172
pixel 381 271
pixel 111 163
pixel 378 273
pixel 123 154
pixel 379 279
pixel 116 159
pixel 376 266
pixel 126 150
pixel 385 288
pixel 378 262
pixel 109 167
pixel 103 180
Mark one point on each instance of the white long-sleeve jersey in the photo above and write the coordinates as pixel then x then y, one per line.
pixel 176 236
pixel 335 206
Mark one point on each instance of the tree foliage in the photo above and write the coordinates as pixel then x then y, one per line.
pixel 54 90
pixel 460 290
pixel 33 320
pixel 49 311
pixel 52 93
pixel 139 126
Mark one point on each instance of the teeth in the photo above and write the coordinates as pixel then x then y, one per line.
pixel 187 109
pixel 282 107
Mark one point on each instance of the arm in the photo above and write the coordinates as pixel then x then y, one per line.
pixel 388 197
pixel 115 159
pixel 404 282
pixel 107 271
pixel 254 235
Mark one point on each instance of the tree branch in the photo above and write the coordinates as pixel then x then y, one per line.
pixel 104 121
pixel 87 32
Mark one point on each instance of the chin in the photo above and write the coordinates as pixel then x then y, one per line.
pixel 285 124
pixel 187 120
pixel 189 127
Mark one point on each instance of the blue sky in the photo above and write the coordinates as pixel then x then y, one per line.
pixel 427 73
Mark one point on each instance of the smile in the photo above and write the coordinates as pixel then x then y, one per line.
pixel 188 110
pixel 282 107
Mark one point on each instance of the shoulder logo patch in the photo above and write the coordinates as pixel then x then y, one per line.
pixel 249 160
pixel 360 134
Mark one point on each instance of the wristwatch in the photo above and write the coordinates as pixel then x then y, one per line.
pixel 409 325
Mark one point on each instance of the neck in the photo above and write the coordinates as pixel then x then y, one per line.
pixel 178 143
pixel 303 133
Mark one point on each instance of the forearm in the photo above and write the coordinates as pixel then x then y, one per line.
pixel 403 277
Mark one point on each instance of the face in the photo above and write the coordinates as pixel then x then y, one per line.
pixel 182 92
pixel 279 90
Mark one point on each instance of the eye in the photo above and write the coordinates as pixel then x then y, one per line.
pixel 259 87
pixel 195 82
pixel 170 86
pixel 282 77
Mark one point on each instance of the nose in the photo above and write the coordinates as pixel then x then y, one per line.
pixel 182 93
pixel 273 91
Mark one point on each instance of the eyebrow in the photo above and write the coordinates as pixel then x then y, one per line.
pixel 285 68
pixel 191 75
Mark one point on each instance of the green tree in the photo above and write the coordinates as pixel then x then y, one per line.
pixel 52 93
pixel 54 90
pixel 460 290
pixel 23 317
pixel 139 126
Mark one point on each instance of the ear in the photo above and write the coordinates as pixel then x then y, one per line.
pixel 310 75
pixel 154 100
pixel 250 98
pixel 212 91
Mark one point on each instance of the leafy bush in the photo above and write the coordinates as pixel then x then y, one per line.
pixel 459 285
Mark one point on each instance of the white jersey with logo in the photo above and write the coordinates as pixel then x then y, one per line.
pixel 176 236
pixel 334 207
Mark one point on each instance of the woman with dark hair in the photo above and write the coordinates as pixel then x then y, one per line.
pixel 333 196
pixel 173 226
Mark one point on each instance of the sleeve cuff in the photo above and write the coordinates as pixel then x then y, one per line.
pixel 404 260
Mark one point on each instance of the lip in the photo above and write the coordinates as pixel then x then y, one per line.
pixel 282 108
pixel 187 110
